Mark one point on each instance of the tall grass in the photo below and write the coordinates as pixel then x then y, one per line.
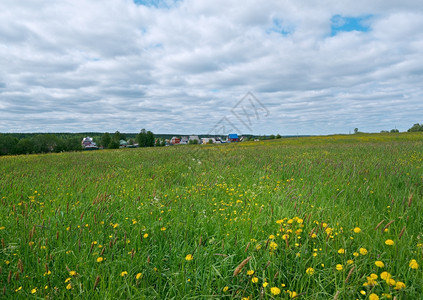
pixel 313 214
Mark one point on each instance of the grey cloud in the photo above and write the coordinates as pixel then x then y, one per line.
pixel 114 65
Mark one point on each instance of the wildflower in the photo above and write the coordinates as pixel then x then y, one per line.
pixel 373 276
pixel 399 285
pixel 310 271
pixel 341 251
pixel 272 237
pixel 72 273
pixel 363 292
pixel 188 257
pixel 363 251
pixel 356 254
pixel 275 290
pixel 47 273
pixel 379 264
pixel 254 280
pixel 67 279
pixel 357 230
pixel 265 284
pixel 250 272
pixel 124 273
pixel 100 259
pixel 273 246
pixel 350 261
pixel 292 294
pixel 385 275
pixel 387 296
pixel 373 296
pixel 163 229
pixel 391 282
pixel 31 243
pixel 69 286
pixel 145 235
pixel 413 264
pixel 389 242
pixel 2 228
pixel 115 226
pixel 300 221
pixel 138 276
pixel 18 289
pixel 225 289
pixel 339 267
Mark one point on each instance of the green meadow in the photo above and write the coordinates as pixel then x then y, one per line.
pixel 335 217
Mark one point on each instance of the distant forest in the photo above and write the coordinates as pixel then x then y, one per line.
pixel 31 143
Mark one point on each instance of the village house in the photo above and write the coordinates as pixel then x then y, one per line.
pixel 175 140
pixel 194 138
pixel 184 140
pixel 233 137
pixel 208 141
pixel 88 143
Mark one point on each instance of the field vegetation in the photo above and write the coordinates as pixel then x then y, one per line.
pixel 336 217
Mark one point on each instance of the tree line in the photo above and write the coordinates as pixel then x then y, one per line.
pixel 30 143
pixel 40 143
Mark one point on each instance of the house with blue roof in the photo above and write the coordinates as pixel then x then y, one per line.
pixel 233 137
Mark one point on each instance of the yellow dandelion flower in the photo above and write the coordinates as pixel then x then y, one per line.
pixel 163 229
pixel 67 279
pixel 389 242
pixel 18 289
pixel 310 271
pixel 341 251
pixel 275 290
pixel 250 272
pixel 72 273
pixel 373 276
pixel 254 280
pixel 145 235
pixel 31 243
pixel 413 264
pixel 138 276
pixel 339 267
pixel 225 289
pixel 387 296
pixel 379 264
pixel 363 292
pixel 124 273
pixel 373 296
pixel 272 237
pixel 69 286
pixel 356 254
pixel 350 261
pixel 357 230
pixel 399 285
pixel 385 275
pixel 188 257
pixel 363 251
pixel 273 246
pixel 34 290
pixel 2 228
pixel 100 259
pixel 265 284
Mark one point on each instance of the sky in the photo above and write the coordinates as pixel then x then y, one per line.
pixel 191 66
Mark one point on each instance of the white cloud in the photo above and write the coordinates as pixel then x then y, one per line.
pixel 115 65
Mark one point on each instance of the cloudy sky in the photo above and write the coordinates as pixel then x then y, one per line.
pixel 194 66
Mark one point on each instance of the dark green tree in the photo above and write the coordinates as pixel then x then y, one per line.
pixel 416 127
pixel 150 139
pixel 142 138
pixel 7 144
pixel 105 140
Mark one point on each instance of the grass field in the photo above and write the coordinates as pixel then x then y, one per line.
pixel 336 217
